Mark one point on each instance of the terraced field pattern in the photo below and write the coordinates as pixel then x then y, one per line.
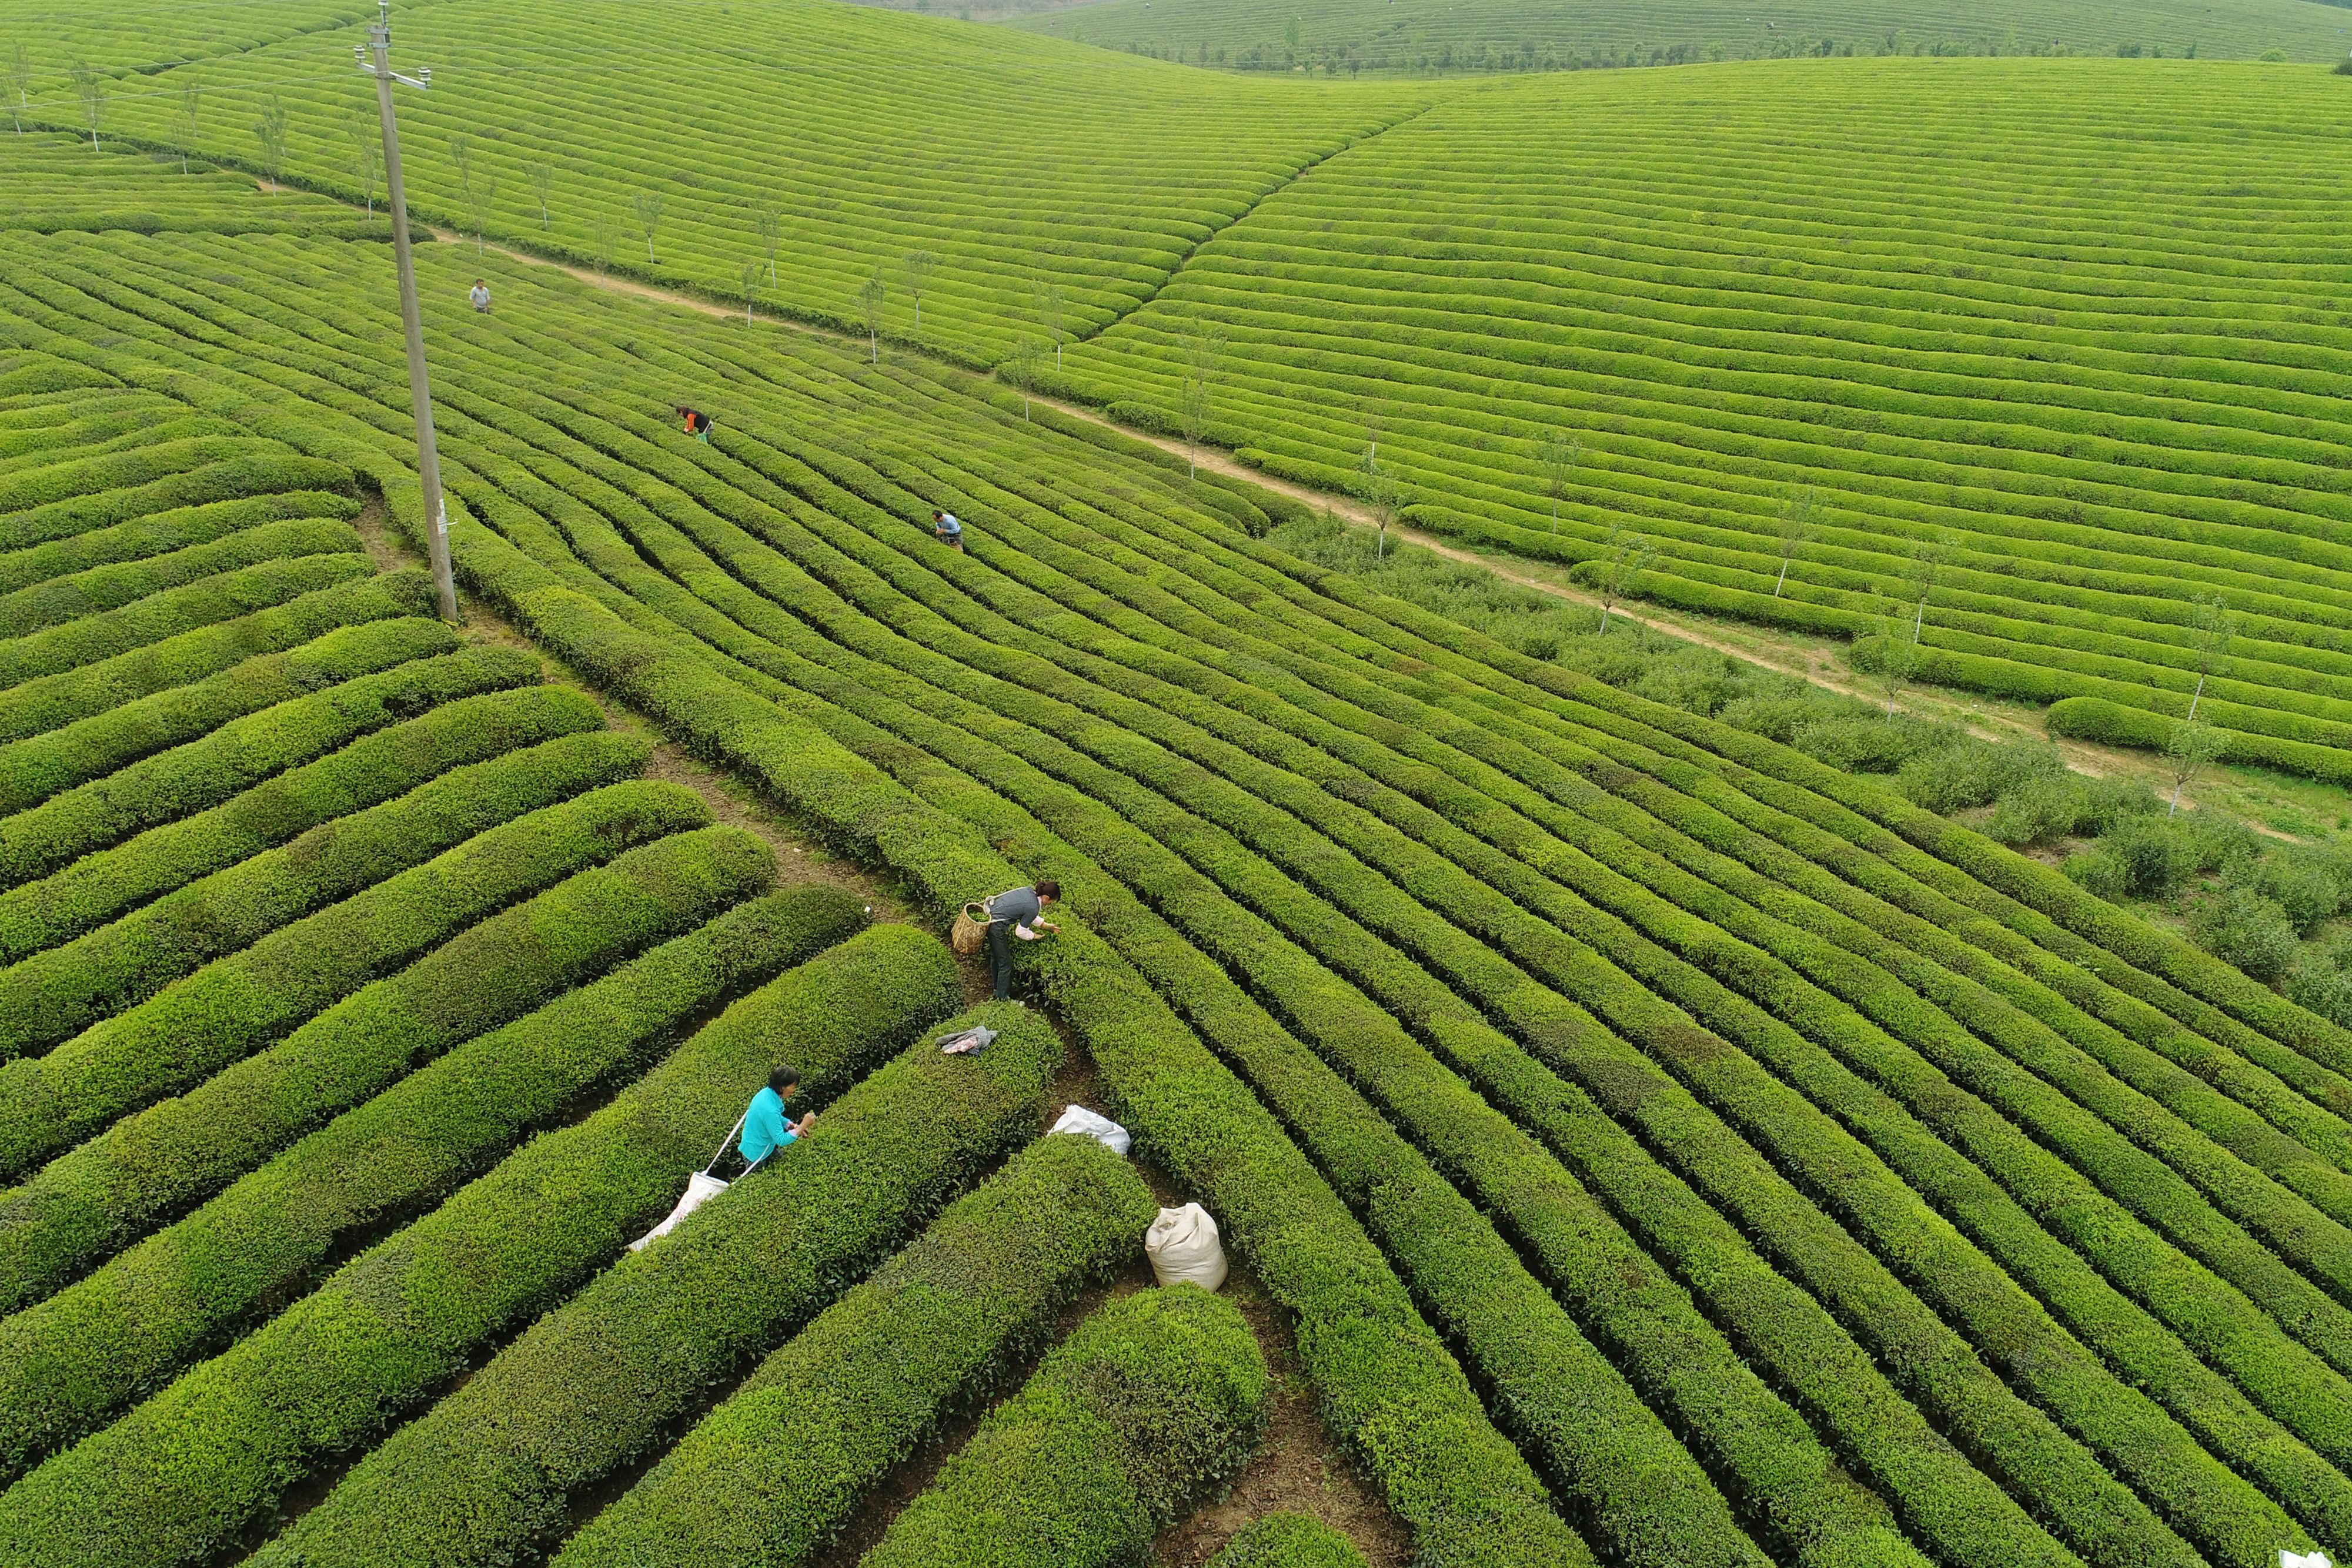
pixel 1433 36
pixel 2080 331
pixel 1653 1146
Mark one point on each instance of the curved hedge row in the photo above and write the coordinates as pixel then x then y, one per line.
pixel 250 474
pixel 2064 1479
pixel 1385 1384
pixel 54 700
pixel 1287 1540
pixel 202 1461
pixel 1155 1398
pixel 79 1358
pixel 56 994
pixel 67 827
pixel 490 1470
pixel 175 611
pixel 240 1003
pixel 34 768
pixel 102 589
pixel 161 533
pixel 162 1161
pixel 767 1477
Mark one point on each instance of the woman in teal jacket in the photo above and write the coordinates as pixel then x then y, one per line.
pixel 765 1128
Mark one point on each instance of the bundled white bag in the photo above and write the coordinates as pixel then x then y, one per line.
pixel 1182 1246
pixel 700 1188
pixel 1102 1129
pixel 2303 1559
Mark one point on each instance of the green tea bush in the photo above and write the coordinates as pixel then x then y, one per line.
pixel 76 751
pixel 235 1005
pixel 1155 1399
pixel 212 1454
pixel 2321 979
pixel 2239 925
pixel 57 993
pixel 2311 884
pixel 65 826
pixel 163 533
pixel 1975 772
pixel 59 699
pixel 82 1356
pixel 1287 1540
pixel 150 1166
pixel 595 1381
pixel 781 1464
pixel 101 589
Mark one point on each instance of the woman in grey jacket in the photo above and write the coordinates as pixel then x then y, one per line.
pixel 1019 912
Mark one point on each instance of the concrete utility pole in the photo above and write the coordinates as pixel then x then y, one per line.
pixel 420 394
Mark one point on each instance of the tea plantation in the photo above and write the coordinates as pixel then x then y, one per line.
pixel 2066 362
pixel 1655 1145
pixel 1425 36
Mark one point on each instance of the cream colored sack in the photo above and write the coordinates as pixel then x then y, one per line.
pixel 1182 1245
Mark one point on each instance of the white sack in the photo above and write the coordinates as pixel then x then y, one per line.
pixel 2302 1560
pixel 1102 1129
pixel 1182 1245
pixel 700 1188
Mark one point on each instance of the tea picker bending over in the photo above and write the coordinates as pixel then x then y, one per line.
pixel 1019 912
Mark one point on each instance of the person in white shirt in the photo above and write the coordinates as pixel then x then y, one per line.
pixel 480 295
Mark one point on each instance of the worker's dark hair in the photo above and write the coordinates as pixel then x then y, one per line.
pixel 937 513
pixel 1049 888
pixel 783 1078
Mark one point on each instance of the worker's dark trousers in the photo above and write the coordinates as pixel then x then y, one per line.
pixel 1000 955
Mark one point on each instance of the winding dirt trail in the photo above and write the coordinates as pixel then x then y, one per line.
pixel 1784 658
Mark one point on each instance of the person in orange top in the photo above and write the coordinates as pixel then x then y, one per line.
pixel 698 424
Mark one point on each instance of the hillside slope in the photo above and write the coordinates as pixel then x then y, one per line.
pixel 2066 359
pixel 1012 161
pixel 1801 1178
pixel 1481 36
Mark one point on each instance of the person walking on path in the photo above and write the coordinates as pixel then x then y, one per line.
pixel 481 296
pixel 698 424
pixel 950 531
pixel 1017 912
pixel 765 1129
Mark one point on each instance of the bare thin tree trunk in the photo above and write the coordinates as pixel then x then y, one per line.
pixel 1782 578
pixel 2176 800
pixel 2201 691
